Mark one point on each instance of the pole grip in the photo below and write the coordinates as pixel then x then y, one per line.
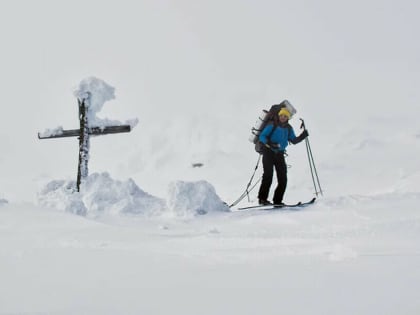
pixel 302 125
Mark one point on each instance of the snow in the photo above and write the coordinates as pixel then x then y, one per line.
pixel 191 198
pixel 52 132
pixel 150 233
pixel 95 92
pixel 102 196
pixel 347 255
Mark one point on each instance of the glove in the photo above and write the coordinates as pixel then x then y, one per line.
pixel 304 134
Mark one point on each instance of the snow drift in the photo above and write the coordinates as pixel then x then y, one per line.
pixel 99 194
pixel 102 195
pixel 190 198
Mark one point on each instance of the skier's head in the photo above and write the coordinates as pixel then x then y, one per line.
pixel 284 113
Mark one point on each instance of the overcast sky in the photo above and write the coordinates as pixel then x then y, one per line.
pixel 337 59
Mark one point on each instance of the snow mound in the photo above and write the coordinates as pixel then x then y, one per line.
pixel 187 199
pixel 99 195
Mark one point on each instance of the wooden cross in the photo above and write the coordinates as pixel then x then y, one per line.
pixel 83 133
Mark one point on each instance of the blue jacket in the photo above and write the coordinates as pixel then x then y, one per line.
pixel 281 136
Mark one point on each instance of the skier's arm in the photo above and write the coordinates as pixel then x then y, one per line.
pixel 295 140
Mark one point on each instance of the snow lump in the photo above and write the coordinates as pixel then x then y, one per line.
pixel 192 198
pixel 99 195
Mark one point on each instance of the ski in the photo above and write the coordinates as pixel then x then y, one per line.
pixel 297 205
pixel 283 206
pixel 269 206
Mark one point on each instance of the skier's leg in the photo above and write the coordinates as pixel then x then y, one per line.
pixel 281 172
pixel 267 177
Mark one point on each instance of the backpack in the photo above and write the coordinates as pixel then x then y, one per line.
pixel 266 117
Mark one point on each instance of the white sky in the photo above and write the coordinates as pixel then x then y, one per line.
pixel 339 59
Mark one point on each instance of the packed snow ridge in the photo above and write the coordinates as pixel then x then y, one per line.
pixel 101 195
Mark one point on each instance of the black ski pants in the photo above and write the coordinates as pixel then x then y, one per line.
pixel 272 160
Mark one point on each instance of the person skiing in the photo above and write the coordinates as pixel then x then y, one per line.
pixel 275 137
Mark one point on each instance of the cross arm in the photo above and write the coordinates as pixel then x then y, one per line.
pixel 94 131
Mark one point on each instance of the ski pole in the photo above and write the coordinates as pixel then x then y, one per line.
pixel 311 161
pixel 247 189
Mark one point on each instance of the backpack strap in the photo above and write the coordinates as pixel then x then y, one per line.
pixel 271 133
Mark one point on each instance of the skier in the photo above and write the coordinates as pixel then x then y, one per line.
pixel 275 137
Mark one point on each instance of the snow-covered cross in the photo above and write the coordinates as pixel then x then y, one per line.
pixel 91 95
